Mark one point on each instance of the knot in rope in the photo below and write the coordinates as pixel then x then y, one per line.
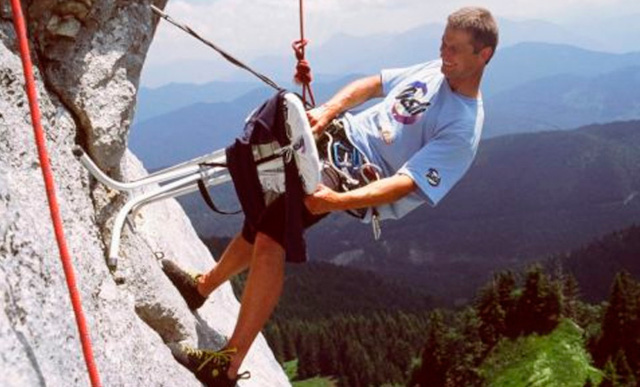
pixel 298 48
pixel 303 74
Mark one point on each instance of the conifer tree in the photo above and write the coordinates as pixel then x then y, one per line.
pixel 530 299
pixel 620 319
pixel 571 297
pixel 328 355
pixel 506 283
pixel 434 360
pixel 274 337
pixel 551 308
pixel 358 366
pixel 626 378
pixel 289 345
pixel 538 309
pixel 308 365
pixel 610 377
pixel 467 350
pixel 492 316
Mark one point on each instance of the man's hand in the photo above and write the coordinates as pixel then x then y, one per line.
pixel 350 96
pixel 383 191
pixel 319 118
pixel 323 200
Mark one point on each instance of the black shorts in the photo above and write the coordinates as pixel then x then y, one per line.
pixel 272 221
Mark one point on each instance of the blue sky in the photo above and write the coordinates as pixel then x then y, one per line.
pixel 253 28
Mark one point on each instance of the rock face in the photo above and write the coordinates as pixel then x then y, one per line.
pixel 88 56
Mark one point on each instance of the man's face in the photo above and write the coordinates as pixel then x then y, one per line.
pixel 458 58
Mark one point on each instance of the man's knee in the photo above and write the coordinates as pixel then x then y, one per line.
pixel 268 249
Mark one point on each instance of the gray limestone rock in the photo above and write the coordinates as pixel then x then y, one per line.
pixel 88 58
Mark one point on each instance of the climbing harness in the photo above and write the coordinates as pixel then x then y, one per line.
pixel 354 169
pixel 352 165
pixel 45 165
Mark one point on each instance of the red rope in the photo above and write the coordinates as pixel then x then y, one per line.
pixel 21 33
pixel 303 68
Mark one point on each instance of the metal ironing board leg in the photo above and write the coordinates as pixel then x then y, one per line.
pixel 172 189
pixel 214 180
pixel 177 180
pixel 164 175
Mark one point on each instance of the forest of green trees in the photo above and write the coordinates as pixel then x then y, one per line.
pixel 357 330
pixel 446 348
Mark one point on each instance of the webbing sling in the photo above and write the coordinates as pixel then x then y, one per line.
pixel 207 199
pixel 204 192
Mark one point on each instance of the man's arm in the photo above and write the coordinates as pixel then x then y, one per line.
pixel 352 95
pixel 379 192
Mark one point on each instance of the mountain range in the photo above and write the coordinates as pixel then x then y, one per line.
pixel 155 102
pixel 529 61
pixel 528 87
pixel 352 53
pixel 564 101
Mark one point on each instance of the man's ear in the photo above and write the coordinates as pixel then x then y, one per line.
pixel 486 53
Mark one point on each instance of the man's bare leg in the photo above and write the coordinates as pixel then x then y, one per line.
pixel 261 294
pixel 235 259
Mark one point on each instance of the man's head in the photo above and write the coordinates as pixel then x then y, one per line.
pixel 468 43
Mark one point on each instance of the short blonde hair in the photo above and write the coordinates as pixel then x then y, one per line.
pixel 478 22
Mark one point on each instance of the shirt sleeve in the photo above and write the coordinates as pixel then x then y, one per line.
pixel 392 77
pixel 440 164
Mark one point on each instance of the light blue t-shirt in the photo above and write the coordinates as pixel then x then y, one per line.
pixel 421 129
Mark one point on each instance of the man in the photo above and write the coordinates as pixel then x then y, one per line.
pixel 423 137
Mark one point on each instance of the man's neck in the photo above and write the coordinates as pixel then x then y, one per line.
pixel 469 87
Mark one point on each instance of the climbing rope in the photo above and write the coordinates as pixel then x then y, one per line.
pixel 225 55
pixel 21 33
pixel 303 67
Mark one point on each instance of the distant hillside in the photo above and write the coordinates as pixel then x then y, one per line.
pixel 526 62
pixel 344 290
pixel 352 325
pixel 171 97
pixel 191 131
pixel 512 65
pixel 595 265
pixel 564 101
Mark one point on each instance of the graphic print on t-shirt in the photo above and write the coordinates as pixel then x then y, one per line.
pixel 410 103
